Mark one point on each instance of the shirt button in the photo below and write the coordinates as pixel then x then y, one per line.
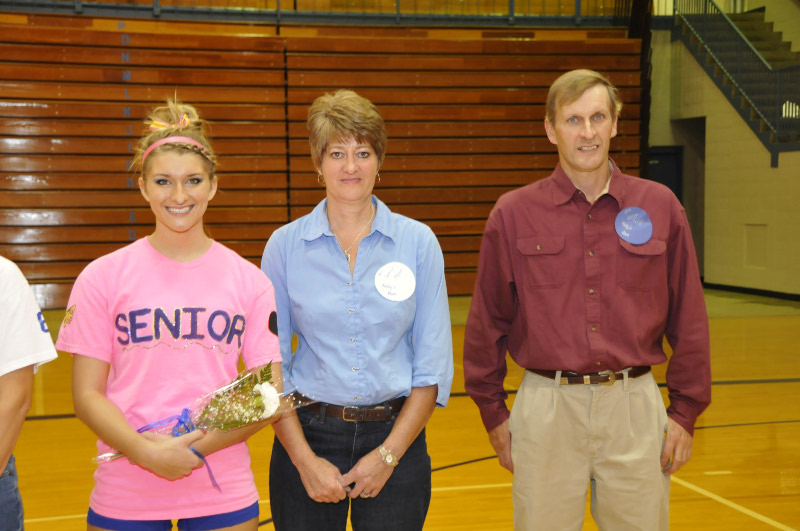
pixel 591 253
pixel 594 328
pixel 598 363
pixel 591 291
pixel 352 340
pixel 538 247
pixel 351 310
pixel 355 369
pixel 348 283
pixel 589 216
pixel 356 398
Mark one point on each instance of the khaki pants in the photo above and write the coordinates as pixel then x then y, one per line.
pixel 565 438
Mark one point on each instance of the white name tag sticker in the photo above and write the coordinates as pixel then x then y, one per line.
pixel 395 281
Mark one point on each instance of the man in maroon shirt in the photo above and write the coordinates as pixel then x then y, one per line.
pixel 581 275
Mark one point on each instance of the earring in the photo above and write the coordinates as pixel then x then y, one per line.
pixel 320 179
pixel 377 177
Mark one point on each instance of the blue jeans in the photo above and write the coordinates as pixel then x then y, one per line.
pixel 401 506
pixel 11 515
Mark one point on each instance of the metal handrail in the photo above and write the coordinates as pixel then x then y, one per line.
pixel 742 36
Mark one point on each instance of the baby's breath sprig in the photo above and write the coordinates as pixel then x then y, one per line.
pixel 248 399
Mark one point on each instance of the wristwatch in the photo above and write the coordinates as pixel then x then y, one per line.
pixel 388 457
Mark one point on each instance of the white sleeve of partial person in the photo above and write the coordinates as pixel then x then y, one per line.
pixel 24 337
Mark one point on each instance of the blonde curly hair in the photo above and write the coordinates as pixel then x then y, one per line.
pixel 174 119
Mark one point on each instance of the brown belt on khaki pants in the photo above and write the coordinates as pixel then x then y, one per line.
pixel 386 411
pixel 602 378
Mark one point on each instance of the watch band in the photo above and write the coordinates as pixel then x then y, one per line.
pixel 388 457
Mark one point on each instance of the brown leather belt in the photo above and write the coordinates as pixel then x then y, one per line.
pixel 386 411
pixel 602 378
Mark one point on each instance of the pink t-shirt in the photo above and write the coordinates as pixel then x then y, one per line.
pixel 171 332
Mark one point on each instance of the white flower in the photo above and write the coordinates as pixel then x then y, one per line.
pixel 271 399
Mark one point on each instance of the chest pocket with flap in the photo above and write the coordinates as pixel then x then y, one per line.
pixel 543 261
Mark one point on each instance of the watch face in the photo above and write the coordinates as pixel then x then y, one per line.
pixel 387 456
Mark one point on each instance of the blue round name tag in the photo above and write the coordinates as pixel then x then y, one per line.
pixel 634 226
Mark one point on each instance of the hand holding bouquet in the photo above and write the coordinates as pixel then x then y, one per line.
pixel 251 397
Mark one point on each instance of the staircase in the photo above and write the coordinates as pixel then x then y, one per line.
pixel 765 40
pixel 764 88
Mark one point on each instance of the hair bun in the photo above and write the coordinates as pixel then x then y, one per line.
pixel 175 120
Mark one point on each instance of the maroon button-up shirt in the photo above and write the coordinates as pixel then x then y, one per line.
pixel 559 289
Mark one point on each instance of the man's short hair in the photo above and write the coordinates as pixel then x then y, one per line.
pixel 571 86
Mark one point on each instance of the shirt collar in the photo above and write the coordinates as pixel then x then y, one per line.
pixel 616 184
pixel 564 189
pixel 317 224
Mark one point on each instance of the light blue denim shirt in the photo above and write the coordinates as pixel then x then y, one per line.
pixel 356 346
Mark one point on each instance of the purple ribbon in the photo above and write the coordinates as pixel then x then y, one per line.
pixel 183 425
pixel 210 473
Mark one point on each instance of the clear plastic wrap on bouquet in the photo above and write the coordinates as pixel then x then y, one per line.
pixel 251 397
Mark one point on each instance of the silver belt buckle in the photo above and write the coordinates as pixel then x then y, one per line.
pixel 612 377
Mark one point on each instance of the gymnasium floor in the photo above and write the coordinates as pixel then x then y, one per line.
pixel 744 474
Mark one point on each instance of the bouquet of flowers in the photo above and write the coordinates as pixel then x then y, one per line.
pixel 251 397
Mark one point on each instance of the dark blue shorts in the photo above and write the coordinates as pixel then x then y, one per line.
pixel 201 523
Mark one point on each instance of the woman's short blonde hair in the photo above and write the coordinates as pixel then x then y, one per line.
pixel 341 116
pixel 571 86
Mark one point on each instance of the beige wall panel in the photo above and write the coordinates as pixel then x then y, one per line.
pixel 741 189
pixel 661 59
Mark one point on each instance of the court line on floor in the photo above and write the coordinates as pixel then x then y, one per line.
pixel 464 463
pixel 471 487
pixel 765 423
pixel 732 505
pixel 51 417
pixel 54 518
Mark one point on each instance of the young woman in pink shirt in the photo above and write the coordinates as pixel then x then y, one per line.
pixel 157 324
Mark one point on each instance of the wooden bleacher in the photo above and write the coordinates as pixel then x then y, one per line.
pixel 72 101
pixel 464 119
pixel 463 107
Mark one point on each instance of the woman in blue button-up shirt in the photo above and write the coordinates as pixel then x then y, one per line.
pixel 364 291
